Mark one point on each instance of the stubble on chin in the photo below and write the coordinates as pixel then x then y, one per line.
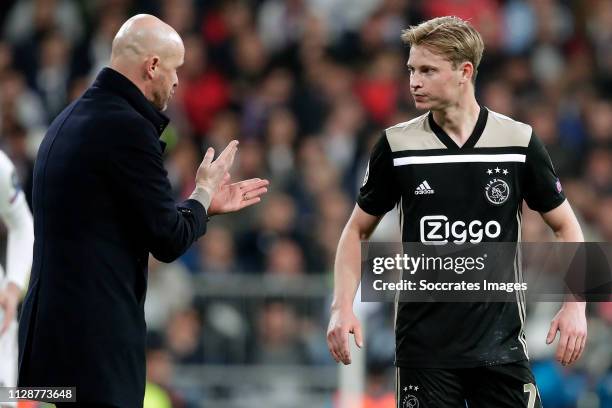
pixel 160 104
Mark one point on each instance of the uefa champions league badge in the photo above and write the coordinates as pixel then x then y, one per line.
pixel 410 400
pixel 367 174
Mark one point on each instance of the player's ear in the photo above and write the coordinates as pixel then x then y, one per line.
pixel 466 69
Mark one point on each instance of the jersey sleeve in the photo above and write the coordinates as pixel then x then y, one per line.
pixel 378 194
pixel 9 185
pixel 16 216
pixel 137 173
pixel 543 191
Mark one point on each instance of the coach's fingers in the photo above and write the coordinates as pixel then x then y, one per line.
pixel 208 157
pixel 231 146
pixel 552 332
pixel 245 184
pixel 252 184
pixel 247 195
pixel 226 178
pixel 231 155
pixel 226 158
pixel 249 202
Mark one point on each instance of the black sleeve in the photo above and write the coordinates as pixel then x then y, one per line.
pixel 542 188
pixel 138 174
pixel 379 194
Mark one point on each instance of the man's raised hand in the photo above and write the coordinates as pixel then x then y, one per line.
pixel 211 173
pixel 236 196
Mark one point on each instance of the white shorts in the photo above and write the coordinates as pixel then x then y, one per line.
pixel 8 362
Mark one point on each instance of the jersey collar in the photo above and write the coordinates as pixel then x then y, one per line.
pixel 112 80
pixel 472 140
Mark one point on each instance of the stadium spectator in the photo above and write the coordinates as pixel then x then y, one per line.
pixel 217 254
pixel 278 341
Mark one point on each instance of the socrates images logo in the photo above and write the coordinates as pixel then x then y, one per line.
pixel 497 191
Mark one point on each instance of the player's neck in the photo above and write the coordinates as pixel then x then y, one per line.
pixel 459 120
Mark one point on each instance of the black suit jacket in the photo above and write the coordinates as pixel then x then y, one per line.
pixel 102 202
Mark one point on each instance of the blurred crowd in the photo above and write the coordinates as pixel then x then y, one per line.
pixel 307 86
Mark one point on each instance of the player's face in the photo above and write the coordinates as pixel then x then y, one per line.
pixel 434 83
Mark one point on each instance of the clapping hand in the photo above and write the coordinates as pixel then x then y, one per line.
pixel 211 173
pixel 236 196
pixel 213 177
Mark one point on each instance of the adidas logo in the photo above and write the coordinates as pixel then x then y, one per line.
pixel 424 188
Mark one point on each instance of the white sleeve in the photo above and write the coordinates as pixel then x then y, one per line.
pixel 16 216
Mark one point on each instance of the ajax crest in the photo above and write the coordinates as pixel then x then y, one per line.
pixel 410 401
pixel 497 191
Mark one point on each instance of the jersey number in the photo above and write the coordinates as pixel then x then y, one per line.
pixel 532 390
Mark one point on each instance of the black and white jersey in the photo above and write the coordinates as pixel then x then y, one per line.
pixel 472 194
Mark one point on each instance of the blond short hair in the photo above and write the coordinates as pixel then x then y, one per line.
pixel 451 37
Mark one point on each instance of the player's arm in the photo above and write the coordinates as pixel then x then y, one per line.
pixel 378 195
pixel 544 194
pixel 16 216
pixel 347 272
pixel 570 321
pixel 564 224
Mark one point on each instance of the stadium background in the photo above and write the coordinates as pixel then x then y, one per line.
pixel 307 86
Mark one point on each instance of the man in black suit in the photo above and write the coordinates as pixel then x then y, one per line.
pixel 102 203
